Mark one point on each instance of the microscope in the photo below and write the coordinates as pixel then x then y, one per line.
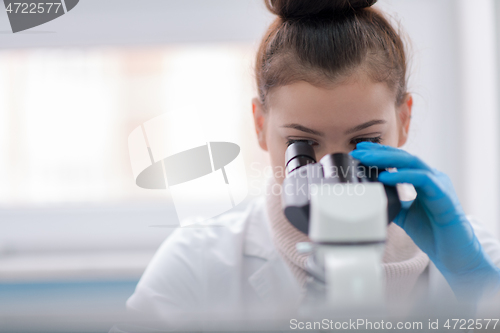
pixel 345 211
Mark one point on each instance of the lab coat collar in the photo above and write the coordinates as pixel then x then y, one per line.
pixel 258 238
pixel 274 281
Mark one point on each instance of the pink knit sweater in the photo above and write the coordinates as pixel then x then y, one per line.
pixel 403 261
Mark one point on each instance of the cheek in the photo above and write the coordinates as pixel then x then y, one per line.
pixel 391 136
pixel 391 139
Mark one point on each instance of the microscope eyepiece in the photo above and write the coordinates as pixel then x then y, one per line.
pixel 299 154
pixel 337 168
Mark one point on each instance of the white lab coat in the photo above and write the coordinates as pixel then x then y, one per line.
pixel 231 264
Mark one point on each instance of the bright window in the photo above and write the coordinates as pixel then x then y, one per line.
pixel 65 114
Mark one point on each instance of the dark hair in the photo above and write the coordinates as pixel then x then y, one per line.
pixel 324 41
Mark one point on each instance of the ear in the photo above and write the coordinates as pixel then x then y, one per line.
pixel 259 118
pixel 404 118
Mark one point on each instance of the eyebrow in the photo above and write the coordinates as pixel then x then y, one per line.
pixel 349 131
pixel 365 125
pixel 304 129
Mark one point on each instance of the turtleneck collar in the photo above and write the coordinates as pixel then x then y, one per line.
pixel 403 261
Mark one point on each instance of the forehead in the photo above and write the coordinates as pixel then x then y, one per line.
pixel 344 104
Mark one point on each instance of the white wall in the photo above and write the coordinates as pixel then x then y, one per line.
pixel 455 122
pixel 144 22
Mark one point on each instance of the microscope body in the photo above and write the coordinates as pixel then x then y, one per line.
pixel 345 211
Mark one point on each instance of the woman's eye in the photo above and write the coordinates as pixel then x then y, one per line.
pixel 374 140
pixel 310 142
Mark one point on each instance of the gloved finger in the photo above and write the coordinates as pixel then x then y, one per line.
pixel 389 158
pixel 428 188
pixel 401 217
pixel 421 179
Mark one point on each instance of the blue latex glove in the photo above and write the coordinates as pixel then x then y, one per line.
pixel 436 222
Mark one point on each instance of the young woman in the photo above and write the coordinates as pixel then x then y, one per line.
pixel 333 73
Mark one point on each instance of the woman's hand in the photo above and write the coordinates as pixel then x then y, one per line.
pixel 436 221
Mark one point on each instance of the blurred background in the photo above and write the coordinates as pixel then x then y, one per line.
pixel 76 232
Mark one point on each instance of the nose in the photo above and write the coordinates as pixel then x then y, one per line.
pixel 332 149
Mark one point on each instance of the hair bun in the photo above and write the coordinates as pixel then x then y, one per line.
pixel 288 9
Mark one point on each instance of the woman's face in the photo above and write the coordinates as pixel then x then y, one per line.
pixel 335 119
